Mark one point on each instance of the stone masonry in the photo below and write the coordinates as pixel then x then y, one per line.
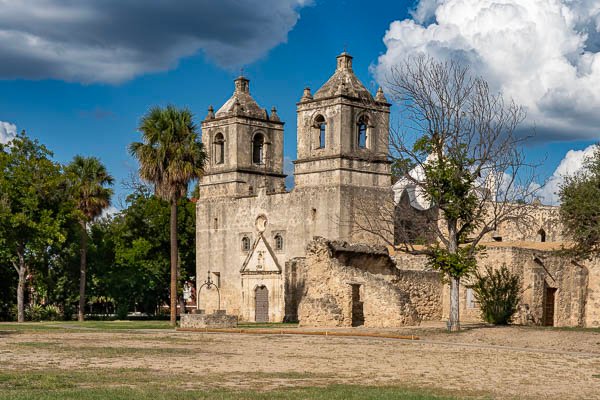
pixel 358 285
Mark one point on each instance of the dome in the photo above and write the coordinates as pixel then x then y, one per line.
pixel 241 102
pixel 344 82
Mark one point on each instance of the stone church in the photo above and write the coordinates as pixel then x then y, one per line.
pixel 275 255
pixel 248 225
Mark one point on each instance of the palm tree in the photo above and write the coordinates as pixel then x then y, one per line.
pixel 170 157
pixel 88 179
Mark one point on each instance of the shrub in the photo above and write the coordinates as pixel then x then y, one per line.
pixel 52 313
pixel 34 312
pixel 38 312
pixel 498 293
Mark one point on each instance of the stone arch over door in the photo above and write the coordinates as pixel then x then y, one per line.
pixel 261 304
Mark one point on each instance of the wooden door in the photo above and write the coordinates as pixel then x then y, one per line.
pixel 261 304
pixel 549 306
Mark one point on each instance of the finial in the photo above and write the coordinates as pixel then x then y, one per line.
pixel 307 95
pixel 274 116
pixel 242 71
pixel 380 96
pixel 211 112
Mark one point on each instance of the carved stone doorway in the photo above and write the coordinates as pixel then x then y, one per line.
pixel 549 305
pixel 261 304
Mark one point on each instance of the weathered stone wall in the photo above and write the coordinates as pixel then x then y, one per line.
pixel 337 276
pixel 542 224
pixel 577 283
pixel 425 289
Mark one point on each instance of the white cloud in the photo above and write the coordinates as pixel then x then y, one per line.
pixel 545 54
pixel 116 40
pixel 569 166
pixel 7 132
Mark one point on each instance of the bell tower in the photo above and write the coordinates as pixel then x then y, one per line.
pixel 343 133
pixel 245 147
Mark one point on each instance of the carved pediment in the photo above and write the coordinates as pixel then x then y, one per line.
pixel 261 259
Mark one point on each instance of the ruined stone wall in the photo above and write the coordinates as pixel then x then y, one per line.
pixel 336 276
pixel 425 289
pixel 577 284
pixel 542 224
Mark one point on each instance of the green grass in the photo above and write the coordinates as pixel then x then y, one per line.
pixel 338 392
pixel 147 384
pixel 99 325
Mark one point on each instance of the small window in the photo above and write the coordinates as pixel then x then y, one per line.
pixel 362 132
pixel 258 144
pixel 322 127
pixel 245 243
pixel 278 242
pixel 219 149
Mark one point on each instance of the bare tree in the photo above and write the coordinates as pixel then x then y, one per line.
pixel 460 162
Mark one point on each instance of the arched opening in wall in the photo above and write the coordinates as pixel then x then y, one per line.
pixel 258 149
pixel 541 235
pixel 321 128
pixel 219 150
pixel 261 304
pixel 358 316
pixel 245 244
pixel 278 242
pixel 362 132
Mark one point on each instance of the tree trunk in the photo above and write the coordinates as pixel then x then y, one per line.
pixel 454 304
pixel 21 271
pixel 82 270
pixel 174 263
pixel 454 280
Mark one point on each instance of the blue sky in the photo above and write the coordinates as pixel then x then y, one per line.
pixel 95 110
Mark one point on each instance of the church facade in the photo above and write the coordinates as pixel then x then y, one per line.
pixel 248 225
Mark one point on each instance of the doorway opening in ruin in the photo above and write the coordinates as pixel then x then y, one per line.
pixel 261 304
pixel 541 235
pixel 549 306
pixel 358 316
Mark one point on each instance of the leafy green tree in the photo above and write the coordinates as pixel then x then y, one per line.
pixel 498 293
pixel 33 207
pixel 170 156
pixel 580 208
pixel 88 179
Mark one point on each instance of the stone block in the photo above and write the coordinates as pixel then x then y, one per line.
pixel 216 320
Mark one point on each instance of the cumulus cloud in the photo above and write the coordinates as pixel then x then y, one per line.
pixel 569 166
pixel 7 132
pixel 116 40
pixel 545 54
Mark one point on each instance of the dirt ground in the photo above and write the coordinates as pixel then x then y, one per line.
pixel 510 362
